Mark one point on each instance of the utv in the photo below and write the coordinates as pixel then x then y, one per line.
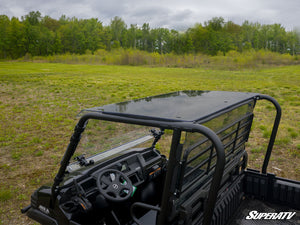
pixel 120 173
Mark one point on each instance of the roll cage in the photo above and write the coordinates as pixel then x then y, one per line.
pixel 185 119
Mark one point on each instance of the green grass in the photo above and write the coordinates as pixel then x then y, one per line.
pixel 5 194
pixel 39 103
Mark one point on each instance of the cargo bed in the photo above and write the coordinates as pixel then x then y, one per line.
pixel 254 193
pixel 250 205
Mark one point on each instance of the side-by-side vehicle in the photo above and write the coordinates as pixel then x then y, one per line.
pixel 177 158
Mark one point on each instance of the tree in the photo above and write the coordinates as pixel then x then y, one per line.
pixel 233 31
pixel 161 37
pixel 146 43
pixel 173 41
pixel 118 27
pixel 278 38
pixel 39 35
pixel 17 39
pixel 107 37
pixel 93 32
pixel 72 39
pixel 4 37
pixel 292 41
pixel 31 38
pixel 134 35
pixel 50 24
pixel 264 36
pixel 33 18
pixel 200 38
pixel 216 23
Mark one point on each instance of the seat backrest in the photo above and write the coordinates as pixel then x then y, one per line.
pixel 198 161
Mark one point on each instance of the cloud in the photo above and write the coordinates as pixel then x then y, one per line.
pixel 163 13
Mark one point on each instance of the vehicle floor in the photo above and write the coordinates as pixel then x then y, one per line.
pixel 248 205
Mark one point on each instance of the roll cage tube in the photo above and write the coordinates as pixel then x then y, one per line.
pixel 74 140
pixel 182 126
pixel 217 177
pixel 274 130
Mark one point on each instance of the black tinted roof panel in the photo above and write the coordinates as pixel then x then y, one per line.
pixel 180 106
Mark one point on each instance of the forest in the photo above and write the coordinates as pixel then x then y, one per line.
pixel 39 35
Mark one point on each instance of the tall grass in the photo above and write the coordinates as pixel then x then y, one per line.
pixel 233 60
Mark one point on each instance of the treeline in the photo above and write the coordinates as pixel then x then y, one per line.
pixel 42 36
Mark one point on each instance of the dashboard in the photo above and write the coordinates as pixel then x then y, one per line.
pixel 141 168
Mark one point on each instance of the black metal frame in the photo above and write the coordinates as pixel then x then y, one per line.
pixel 177 127
pixel 274 130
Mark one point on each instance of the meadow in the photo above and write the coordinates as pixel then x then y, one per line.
pixel 39 103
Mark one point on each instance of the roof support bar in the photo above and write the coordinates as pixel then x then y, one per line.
pixel 274 130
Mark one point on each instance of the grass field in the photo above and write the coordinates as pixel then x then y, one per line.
pixel 39 102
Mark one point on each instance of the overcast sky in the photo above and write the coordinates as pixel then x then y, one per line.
pixel 172 14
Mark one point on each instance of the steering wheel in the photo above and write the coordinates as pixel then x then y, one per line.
pixel 114 185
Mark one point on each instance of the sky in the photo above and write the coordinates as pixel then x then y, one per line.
pixel 172 14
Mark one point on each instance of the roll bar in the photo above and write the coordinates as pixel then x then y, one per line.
pixel 274 130
pixel 178 127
